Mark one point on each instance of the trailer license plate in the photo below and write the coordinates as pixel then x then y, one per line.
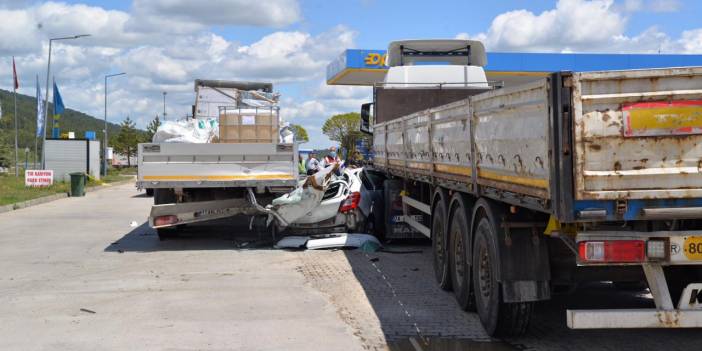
pixel 692 247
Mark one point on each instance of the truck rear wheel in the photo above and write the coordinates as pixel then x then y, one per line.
pixel 167 233
pixel 439 245
pixel 460 267
pixel 164 196
pixel 498 318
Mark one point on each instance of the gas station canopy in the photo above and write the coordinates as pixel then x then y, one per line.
pixel 367 67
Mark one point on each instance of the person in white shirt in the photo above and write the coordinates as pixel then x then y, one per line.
pixel 312 165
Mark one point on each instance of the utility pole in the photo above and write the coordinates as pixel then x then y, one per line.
pixel 46 97
pixel 104 144
pixel 164 105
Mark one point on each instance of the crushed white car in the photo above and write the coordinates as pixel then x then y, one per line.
pixel 338 210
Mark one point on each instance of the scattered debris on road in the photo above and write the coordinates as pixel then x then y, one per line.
pixel 87 311
pixel 365 242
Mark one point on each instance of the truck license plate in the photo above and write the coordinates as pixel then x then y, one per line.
pixel 692 248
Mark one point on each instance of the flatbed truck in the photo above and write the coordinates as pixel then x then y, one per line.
pixel 199 182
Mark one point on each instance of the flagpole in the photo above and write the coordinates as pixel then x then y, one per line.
pixel 16 159
pixel 15 85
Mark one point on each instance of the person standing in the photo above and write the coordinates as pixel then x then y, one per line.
pixel 312 164
pixel 301 167
pixel 331 157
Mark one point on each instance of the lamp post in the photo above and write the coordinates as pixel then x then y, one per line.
pixel 164 105
pixel 104 151
pixel 46 99
pixel 26 158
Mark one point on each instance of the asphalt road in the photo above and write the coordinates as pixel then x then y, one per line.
pixel 87 273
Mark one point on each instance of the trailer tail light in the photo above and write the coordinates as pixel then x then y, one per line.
pixel 351 202
pixel 165 220
pixel 613 251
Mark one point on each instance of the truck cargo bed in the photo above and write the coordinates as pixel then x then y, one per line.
pixel 179 165
pixel 617 144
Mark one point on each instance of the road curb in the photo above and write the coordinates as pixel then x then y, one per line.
pixel 54 197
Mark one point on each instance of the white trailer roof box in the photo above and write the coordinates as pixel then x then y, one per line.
pixel 453 51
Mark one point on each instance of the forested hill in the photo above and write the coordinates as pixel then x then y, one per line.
pixel 71 120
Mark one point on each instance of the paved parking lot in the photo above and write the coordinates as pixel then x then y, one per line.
pixel 87 273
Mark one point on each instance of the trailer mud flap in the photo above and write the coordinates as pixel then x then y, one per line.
pixel 524 267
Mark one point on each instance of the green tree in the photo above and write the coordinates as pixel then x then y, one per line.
pixel 344 128
pixel 151 129
pixel 7 156
pixel 300 133
pixel 125 143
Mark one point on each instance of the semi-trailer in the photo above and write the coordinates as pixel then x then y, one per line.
pixel 530 190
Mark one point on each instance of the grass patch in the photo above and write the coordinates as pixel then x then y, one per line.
pixel 12 189
pixel 115 175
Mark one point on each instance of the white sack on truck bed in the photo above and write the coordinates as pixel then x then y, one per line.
pixel 193 131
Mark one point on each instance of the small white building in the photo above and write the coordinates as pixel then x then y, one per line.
pixel 64 156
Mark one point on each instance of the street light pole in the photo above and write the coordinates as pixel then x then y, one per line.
pixel 46 96
pixel 104 151
pixel 164 105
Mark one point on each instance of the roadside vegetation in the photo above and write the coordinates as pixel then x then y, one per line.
pixel 12 189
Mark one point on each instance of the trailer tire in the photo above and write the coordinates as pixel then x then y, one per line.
pixel 439 245
pixel 497 317
pixel 459 236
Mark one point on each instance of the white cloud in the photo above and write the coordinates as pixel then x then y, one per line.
pixel 664 5
pixel 275 13
pixel 583 26
pixel 158 60
pixel 633 5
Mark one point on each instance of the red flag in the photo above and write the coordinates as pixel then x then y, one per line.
pixel 14 74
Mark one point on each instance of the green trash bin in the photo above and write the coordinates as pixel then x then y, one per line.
pixel 77 184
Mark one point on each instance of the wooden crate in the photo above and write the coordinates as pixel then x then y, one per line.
pixel 248 128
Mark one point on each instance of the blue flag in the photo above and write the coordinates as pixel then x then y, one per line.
pixel 58 111
pixel 40 112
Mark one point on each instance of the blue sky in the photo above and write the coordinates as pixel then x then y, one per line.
pixel 166 44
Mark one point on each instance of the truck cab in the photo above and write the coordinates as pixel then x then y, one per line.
pixel 427 73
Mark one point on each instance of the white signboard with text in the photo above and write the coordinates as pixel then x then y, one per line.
pixel 37 178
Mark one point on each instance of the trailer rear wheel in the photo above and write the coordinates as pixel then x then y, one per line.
pixel 439 245
pixel 460 267
pixel 497 317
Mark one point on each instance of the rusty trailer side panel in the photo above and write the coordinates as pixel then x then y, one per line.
pixel 618 145
pixel 638 134
pixel 512 138
pixel 434 143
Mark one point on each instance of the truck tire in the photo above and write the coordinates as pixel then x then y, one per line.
pixel 164 196
pixel 167 233
pixel 150 192
pixel 459 237
pixel 439 245
pixel 498 318
pixel 678 277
